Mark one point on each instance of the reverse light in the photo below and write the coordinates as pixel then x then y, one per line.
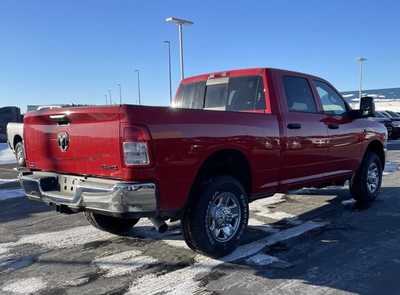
pixel 136 153
pixel 135 146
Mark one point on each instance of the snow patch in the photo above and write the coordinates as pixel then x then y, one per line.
pixel 67 238
pixel 391 167
pixel 349 202
pixel 275 199
pixel 262 225
pixel 262 259
pixel 123 263
pixel 168 283
pixel 6 194
pixel 6 154
pixel 7 180
pixel 61 239
pixel 25 286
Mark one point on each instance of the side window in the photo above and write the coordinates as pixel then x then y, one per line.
pixel 190 96
pixel 299 95
pixel 246 93
pixel 331 102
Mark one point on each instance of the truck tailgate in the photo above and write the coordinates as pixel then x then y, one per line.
pixel 82 141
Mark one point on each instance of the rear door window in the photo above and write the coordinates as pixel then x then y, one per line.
pixel 299 95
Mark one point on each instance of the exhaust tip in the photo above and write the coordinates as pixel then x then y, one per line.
pixel 159 224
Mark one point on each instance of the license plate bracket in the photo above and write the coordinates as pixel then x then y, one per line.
pixel 68 183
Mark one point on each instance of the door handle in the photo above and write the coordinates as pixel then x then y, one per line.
pixel 294 126
pixel 333 126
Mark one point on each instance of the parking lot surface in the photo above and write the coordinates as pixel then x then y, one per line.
pixel 313 241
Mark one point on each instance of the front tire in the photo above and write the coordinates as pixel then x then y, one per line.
pixel 217 218
pixel 366 182
pixel 114 225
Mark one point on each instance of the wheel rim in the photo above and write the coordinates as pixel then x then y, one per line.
pixel 373 177
pixel 223 216
pixel 20 155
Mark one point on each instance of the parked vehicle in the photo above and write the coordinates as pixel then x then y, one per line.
pixel 391 124
pixel 7 115
pixel 394 115
pixel 395 119
pixel 231 138
pixel 15 139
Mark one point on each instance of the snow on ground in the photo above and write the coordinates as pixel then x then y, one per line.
pixel 381 104
pixel 7 180
pixel 25 286
pixel 187 283
pixel 6 194
pixel 123 263
pixel 6 155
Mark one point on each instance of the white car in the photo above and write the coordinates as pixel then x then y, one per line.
pixel 15 139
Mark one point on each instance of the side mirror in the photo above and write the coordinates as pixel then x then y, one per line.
pixel 367 106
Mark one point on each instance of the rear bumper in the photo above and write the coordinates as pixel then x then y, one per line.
pixel 105 196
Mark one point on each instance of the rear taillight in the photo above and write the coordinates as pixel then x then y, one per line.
pixel 135 146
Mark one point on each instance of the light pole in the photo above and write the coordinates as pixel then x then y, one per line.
pixel 106 98
pixel 120 93
pixel 361 60
pixel 169 70
pixel 180 23
pixel 109 95
pixel 138 84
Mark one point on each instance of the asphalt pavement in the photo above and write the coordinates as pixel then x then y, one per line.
pixel 313 241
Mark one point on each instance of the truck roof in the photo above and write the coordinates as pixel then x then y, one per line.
pixel 241 72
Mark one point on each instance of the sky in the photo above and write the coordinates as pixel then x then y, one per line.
pixel 74 51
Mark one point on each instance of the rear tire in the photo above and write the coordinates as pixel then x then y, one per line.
pixel 114 225
pixel 20 154
pixel 217 218
pixel 366 182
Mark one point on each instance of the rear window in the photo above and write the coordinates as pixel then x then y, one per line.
pixel 190 96
pixel 244 93
pixel 299 96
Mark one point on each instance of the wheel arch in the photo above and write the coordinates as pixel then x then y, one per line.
pixel 16 139
pixel 228 161
pixel 378 148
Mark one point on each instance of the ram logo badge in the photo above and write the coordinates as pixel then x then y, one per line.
pixel 63 141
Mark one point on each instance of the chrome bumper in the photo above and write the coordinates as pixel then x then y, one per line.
pixel 108 196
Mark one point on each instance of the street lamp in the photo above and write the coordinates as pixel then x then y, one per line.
pixel 361 60
pixel 179 22
pixel 169 70
pixel 120 93
pixel 106 98
pixel 138 84
pixel 109 95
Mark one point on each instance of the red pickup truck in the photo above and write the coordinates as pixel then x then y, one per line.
pixel 229 138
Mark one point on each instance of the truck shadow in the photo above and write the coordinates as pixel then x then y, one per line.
pixel 20 208
pixel 343 255
pixel 356 252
